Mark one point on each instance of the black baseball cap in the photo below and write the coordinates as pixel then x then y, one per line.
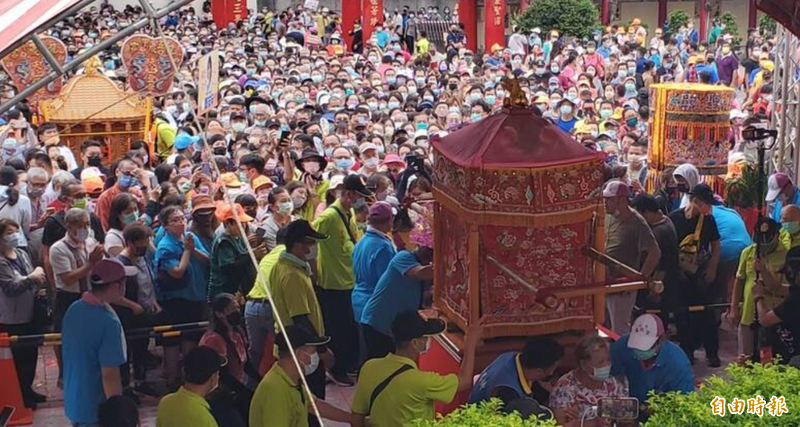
pixel 299 337
pixel 357 183
pixel 201 363
pixel 301 229
pixel 409 324
pixel 703 192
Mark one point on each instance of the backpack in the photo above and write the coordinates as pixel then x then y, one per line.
pixel 689 250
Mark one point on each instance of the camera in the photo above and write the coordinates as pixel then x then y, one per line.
pixel 752 133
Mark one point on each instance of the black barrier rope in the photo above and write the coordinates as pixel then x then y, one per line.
pixel 163 331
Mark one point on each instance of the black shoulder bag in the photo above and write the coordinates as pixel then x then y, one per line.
pixel 382 386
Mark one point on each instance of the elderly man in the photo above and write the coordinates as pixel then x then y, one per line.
pixel 629 240
pixel 129 179
pixel 781 192
pixel 790 224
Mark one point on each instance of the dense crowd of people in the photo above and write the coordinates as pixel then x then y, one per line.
pixel 297 212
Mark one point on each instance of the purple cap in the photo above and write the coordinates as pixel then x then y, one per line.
pixel 107 271
pixel 380 211
pixel 616 188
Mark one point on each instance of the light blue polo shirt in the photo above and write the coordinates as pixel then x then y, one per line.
pixel 394 293
pixel 671 372
pixel 92 339
pixel 733 235
pixel 371 258
pixel 168 256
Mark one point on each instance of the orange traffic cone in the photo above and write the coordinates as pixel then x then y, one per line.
pixel 10 394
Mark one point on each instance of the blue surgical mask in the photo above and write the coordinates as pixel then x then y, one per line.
pixel 127 181
pixel 422 126
pixel 316 78
pixel 601 374
pixel 391 80
pixel 393 104
pixel 475 117
pixel 344 164
pixel 491 99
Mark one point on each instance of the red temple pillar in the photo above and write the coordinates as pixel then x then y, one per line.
pixel 373 15
pixel 467 12
pixel 494 23
pixel 351 10
pixel 752 15
pixel 702 10
pixel 662 12
pixel 224 12
pixel 605 12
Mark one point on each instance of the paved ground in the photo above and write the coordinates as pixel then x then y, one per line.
pixel 51 414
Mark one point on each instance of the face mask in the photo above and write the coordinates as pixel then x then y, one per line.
pixel 633 121
pixel 79 203
pixel 601 374
pixel 371 163
pixel 311 167
pixel 82 234
pixel 373 106
pixel 412 89
pixel 126 181
pixel 420 80
pixel 475 117
pixel 792 227
pixel 35 192
pixel 344 164
pixel 554 69
pixel 185 172
pixel 220 151
pixel 622 73
pixel 312 366
pixel 238 126
pixel 11 241
pixel 130 218
pixel 95 161
pixel 234 319
pixel 612 134
pixel 565 109
pixel 316 79
pixel 452 86
pixel 644 355
pixel 298 201
pixel 683 188
pixel 285 208
pixel 605 113
pixel 393 104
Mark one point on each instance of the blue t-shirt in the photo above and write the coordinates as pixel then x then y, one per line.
pixel 568 125
pixel 778 206
pixel 371 258
pixel 394 293
pixel 733 233
pixel 710 69
pixel 92 339
pixel 168 256
pixel 671 372
pixel 383 39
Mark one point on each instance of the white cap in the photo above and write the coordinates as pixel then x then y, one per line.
pixel 367 146
pixel 645 331
pixel 421 133
pixel 777 182
pixel 336 181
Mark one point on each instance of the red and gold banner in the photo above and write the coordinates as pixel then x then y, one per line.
pixel 494 23
pixel 25 65
pixel 150 71
pixel 351 10
pixel 467 12
pixel 373 15
pixel 226 11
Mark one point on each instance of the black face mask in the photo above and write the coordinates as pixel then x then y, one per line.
pixel 234 319
pixel 95 161
pixel 452 86
pixel 140 252
pixel 683 188
pixel 220 151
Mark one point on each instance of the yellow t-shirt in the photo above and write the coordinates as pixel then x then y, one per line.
pixel 278 402
pixel 293 293
pixel 335 255
pixel 423 46
pixel 410 396
pixel 747 272
pixel 265 267
pixel 184 408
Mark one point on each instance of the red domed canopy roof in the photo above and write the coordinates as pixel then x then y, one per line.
pixel 512 138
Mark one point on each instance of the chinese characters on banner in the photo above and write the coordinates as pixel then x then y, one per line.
pixel 208 83
pixel 494 23
pixel 228 11
pixel 373 15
